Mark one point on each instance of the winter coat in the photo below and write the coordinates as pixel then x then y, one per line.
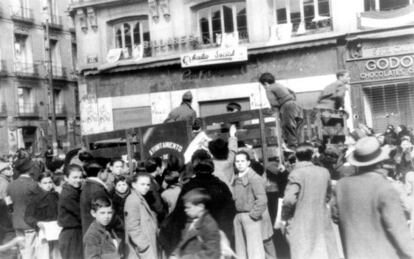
pixel 182 113
pixel 98 243
pixel 69 207
pixel 310 231
pixel 20 191
pixel 249 194
pixel 221 208
pixel 43 206
pixel 90 190
pixel 140 228
pixel 201 241
pixel 371 219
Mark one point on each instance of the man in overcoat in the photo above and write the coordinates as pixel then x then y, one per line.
pixel 368 209
pixel 310 231
pixel 184 111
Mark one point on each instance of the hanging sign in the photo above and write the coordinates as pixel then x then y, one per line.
pixel 214 56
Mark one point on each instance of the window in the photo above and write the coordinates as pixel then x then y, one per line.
pixel 22 54
pixel 225 18
pixel 130 35
pixel 56 58
pixel 385 5
pixel 25 101
pixel 304 15
pixel 58 94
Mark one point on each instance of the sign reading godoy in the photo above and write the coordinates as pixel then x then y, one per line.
pixel 213 56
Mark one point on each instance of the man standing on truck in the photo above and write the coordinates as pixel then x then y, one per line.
pixel 283 100
pixel 333 96
pixel 184 111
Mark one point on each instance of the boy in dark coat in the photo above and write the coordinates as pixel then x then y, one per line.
pixel 201 237
pixel 69 218
pixel 94 186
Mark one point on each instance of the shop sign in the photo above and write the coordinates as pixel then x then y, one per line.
pixel 388 50
pixel 387 68
pixel 213 56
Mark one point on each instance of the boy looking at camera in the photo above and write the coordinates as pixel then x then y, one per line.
pixel 99 242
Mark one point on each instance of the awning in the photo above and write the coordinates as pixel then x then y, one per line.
pixel 372 35
pixel 297 43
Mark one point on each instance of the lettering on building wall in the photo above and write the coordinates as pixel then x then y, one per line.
pixel 213 56
pixel 388 68
pixel 388 50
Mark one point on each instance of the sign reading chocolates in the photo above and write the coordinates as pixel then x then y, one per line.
pixel 391 67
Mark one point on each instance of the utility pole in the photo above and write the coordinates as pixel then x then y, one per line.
pixel 50 86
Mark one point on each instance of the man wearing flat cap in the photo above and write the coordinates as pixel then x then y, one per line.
pixel 184 111
pixel 368 208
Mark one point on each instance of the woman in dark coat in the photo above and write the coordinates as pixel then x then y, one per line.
pixel 121 192
pixel 222 206
pixel 43 207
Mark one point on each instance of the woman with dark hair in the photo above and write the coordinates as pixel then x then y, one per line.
pixel 43 207
pixel 120 193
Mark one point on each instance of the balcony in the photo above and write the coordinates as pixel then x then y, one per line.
pixel 3 68
pixel 28 109
pixel 60 109
pixel 22 15
pixel 59 72
pixel 22 69
pixel 55 22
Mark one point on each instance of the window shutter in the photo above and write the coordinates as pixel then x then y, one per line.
pixel 391 104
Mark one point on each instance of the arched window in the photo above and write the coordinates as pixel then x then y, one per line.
pixel 222 18
pixel 128 35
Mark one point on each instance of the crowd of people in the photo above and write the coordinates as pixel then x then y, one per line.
pixel 352 199
pixel 222 204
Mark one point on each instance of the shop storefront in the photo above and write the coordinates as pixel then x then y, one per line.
pixel 382 79
pixel 143 94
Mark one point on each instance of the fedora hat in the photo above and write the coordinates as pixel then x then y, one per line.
pixel 368 151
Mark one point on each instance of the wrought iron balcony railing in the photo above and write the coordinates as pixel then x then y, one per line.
pixel 27 108
pixel 26 69
pixel 59 72
pixel 22 14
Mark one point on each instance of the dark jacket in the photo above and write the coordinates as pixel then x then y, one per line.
pixel 182 113
pixel 98 243
pixel 153 198
pixel 90 190
pixel 69 207
pixel 20 191
pixel 201 241
pixel 222 209
pixel 43 206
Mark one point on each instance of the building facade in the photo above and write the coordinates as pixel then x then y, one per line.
pixel 25 114
pixel 136 58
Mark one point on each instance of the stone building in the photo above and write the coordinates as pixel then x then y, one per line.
pixel 136 58
pixel 24 89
